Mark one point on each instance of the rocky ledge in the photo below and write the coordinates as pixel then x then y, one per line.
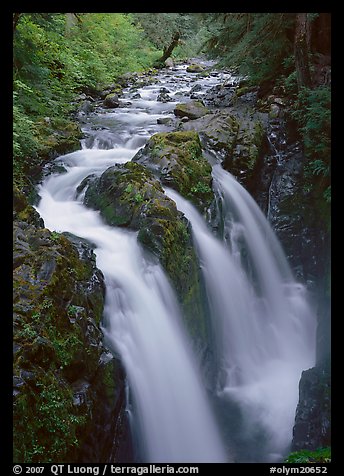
pixel 68 390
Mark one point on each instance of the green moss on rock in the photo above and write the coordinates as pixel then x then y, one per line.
pixel 176 158
pixel 58 303
pixel 192 110
pixel 129 195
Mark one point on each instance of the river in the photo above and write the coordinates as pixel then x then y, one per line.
pixel 263 324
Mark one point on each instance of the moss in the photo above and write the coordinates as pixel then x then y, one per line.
pixel 47 425
pixel 57 343
pixel 177 159
pixel 321 455
pixel 243 90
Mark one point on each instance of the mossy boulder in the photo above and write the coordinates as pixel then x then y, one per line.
pixel 248 148
pixel 238 139
pixel 58 304
pixel 219 131
pixel 192 110
pixel 23 211
pixel 58 137
pixel 195 68
pixel 129 195
pixel 111 101
pixel 176 159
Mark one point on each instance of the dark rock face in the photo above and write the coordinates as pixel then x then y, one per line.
pixel 237 138
pixel 280 188
pixel 63 389
pixel 312 428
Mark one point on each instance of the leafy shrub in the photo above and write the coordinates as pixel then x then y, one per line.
pixel 321 455
pixel 312 111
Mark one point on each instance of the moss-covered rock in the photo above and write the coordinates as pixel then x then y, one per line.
pixel 247 150
pixel 219 131
pixel 22 211
pixel 111 100
pixel 195 68
pixel 238 139
pixel 58 304
pixel 53 137
pixel 128 195
pixel 192 110
pixel 176 158
pixel 58 137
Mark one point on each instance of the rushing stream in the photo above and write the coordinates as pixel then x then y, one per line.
pixel 264 329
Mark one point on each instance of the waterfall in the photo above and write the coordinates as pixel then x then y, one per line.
pixel 263 324
pixel 142 324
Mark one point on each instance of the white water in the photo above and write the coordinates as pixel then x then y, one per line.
pixel 141 318
pixel 264 327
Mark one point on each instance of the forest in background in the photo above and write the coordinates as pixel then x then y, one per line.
pixel 59 55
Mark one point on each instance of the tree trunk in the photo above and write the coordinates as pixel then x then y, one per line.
pixel 16 17
pixel 71 21
pixel 170 48
pixel 301 50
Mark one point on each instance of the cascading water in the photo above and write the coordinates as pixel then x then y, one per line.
pixel 141 316
pixel 264 327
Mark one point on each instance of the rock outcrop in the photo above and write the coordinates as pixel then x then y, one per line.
pixel 238 140
pixel 130 196
pixel 66 386
pixel 312 428
pixel 176 159
pixel 192 110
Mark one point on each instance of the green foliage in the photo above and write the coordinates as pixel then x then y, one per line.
pixel 160 28
pixel 312 111
pixel 201 187
pixel 321 455
pixel 53 60
pixel 254 43
pixel 46 425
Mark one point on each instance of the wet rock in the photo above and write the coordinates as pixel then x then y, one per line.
pixel 111 101
pixel 58 303
pixel 86 107
pixel 220 96
pixel 195 68
pixel 239 140
pixel 23 212
pixel 164 120
pixel 164 97
pixel 312 428
pixel 176 158
pixel 196 88
pixel 192 110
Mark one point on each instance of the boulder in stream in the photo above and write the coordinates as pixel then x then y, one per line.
pixel 176 158
pixel 111 101
pixel 193 109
